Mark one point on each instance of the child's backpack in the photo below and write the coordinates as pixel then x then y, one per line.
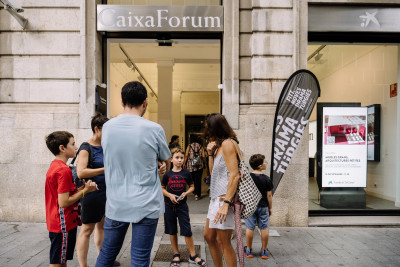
pixel 78 181
pixel 196 160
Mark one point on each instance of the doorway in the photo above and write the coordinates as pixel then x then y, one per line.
pixel 181 78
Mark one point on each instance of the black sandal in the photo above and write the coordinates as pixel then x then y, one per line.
pixel 175 263
pixel 199 263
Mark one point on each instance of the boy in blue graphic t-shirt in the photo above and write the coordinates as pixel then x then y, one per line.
pixel 174 185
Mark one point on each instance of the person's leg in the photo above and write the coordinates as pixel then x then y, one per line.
pixel 99 235
pixel 197 182
pixel 210 235
pixel 114 235
pixel 58 265
pixel 250 226
pixel 82 243
pixel 263 225
pixel 264 238
pixel 143 234
pixel 249 238
pixel 174 244
pixel 224 237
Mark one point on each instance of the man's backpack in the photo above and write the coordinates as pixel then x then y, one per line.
pixel 196 160
pixel 78 181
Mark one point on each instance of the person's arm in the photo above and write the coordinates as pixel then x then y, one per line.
pixel 162 167
pixel 65 200
pixel 210 150
pixel 230 157
pixel 269 196
pixel 172 197
pixel 186 157
pixel 81 166
pixel 203 157
pixel 190 190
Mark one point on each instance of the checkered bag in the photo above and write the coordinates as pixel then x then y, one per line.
pixel 249 195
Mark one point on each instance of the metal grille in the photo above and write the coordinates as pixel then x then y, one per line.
pixel 164 252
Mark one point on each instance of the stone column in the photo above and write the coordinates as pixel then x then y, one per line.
pixel 165 69
pixel 230 61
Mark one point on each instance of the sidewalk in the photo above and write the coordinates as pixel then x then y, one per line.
pixel 27 244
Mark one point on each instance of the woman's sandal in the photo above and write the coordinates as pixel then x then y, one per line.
pixel 201 262
pixel 175 263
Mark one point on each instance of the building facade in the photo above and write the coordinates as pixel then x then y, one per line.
pixel 49 72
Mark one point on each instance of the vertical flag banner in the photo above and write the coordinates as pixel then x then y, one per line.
pixel 296 102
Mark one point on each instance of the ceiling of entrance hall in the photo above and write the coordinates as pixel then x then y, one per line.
pixel 196 62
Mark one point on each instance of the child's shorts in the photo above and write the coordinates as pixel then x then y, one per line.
pixel 215 205
pixel 180 212
pixel 260 218
pixel 62 246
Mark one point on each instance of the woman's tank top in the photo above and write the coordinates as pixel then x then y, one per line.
pixel 219 177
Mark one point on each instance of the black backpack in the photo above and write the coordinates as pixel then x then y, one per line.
pixel 196 160
pixel 78 181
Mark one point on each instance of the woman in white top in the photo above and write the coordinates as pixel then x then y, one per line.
pixel 224 181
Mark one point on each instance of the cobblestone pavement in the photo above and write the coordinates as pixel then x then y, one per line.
pixel 27 244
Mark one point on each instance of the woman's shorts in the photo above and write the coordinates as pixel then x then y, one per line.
pixel 215 205
pixel 93 207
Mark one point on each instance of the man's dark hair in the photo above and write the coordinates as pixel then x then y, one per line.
pixel 173 138
pixel 98 120
pixel 56 139
pixel 133 94
pixel 256 160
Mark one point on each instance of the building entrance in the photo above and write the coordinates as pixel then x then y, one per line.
pixel 181 77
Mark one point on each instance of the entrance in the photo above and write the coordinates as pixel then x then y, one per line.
pixel 181 77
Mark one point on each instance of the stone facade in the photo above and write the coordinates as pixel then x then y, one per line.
pixel 48 74
pixel 46 71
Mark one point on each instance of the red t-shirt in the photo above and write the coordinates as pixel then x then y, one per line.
pixel 59 180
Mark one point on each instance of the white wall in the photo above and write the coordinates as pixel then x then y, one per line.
pixel 355 73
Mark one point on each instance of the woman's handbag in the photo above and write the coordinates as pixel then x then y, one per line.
pixel 249 195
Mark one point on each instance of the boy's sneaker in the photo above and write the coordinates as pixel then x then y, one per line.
pixel 248 252
pixel 264 254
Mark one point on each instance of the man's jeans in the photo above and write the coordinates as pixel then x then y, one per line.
pixel 143 234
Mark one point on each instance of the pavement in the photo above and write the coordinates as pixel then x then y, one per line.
pixel 365 241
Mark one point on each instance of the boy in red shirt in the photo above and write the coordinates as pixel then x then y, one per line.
pixel 61 197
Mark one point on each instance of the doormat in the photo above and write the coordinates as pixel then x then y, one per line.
pixel 164 252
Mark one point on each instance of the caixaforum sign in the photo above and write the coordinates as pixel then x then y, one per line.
pixel 159 18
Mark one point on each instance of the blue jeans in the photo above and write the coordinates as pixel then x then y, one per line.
pixel 143 234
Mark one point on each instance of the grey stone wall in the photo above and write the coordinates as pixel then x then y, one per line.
pixel 268 56
pixel 44 80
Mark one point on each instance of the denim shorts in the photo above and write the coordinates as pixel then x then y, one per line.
pixel 260 218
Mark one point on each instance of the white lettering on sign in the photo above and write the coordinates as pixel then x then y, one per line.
pixel 109 18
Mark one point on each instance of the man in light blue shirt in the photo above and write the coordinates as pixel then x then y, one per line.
pixel 132 147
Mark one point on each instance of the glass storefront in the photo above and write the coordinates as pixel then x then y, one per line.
pixel 358 75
